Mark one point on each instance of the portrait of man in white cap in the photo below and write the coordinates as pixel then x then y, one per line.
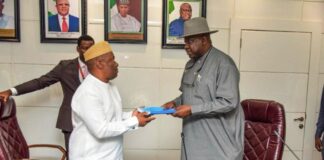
pixel 123 21
pixel 6 21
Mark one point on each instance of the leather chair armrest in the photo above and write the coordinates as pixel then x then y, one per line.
pixel 60 148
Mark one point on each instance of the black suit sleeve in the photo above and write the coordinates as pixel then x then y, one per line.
pixel 46 80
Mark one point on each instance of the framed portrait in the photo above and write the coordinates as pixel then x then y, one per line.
pixel 175 13
pixel 126 21
pixel 9 21
pixel 62 21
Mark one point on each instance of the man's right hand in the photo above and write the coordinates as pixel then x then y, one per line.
pixel 170 104
pixel 318 144
pixel 143 119
pixel 5 95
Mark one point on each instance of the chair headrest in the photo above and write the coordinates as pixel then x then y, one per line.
pixel 7 109
pixel 266 111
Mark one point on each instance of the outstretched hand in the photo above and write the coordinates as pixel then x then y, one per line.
pixel 182 111
pixel 168 105
pixel 5 95
pixel 143 118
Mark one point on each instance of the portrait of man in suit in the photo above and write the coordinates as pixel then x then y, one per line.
pixel 63 21
pixel 176 26
pixel 175 15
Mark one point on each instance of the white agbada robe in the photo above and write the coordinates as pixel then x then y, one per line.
pixel 7 22
pixel 98 122
pixel 125 24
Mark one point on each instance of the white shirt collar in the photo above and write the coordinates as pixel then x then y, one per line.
pixel 60 17
pixel 83 68
pixel 82 65
pixel 98 81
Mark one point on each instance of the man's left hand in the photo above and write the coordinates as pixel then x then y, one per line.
pixel 318 144
pixel 182 111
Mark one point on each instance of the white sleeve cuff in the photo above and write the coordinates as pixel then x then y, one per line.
pixel 127 115
pixel 14 92
pixel 132 122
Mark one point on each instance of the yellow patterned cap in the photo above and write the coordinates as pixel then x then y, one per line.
pixel 97 50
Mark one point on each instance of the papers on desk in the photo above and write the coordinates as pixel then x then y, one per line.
pixel 152 110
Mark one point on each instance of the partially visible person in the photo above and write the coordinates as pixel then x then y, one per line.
pixel 213 119
pixel 98 120
pixel 122 21
pixel 6 22
pixel 176 26
pixel 63 21
pixel 319 140
pixel 70 73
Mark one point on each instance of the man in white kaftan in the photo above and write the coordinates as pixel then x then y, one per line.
pixel 97 117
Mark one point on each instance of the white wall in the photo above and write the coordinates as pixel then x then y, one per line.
pixel 150 75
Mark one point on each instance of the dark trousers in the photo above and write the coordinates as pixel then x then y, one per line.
pixel 322 145
pixel 66 139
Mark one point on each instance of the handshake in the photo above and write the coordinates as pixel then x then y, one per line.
pixel 144 114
